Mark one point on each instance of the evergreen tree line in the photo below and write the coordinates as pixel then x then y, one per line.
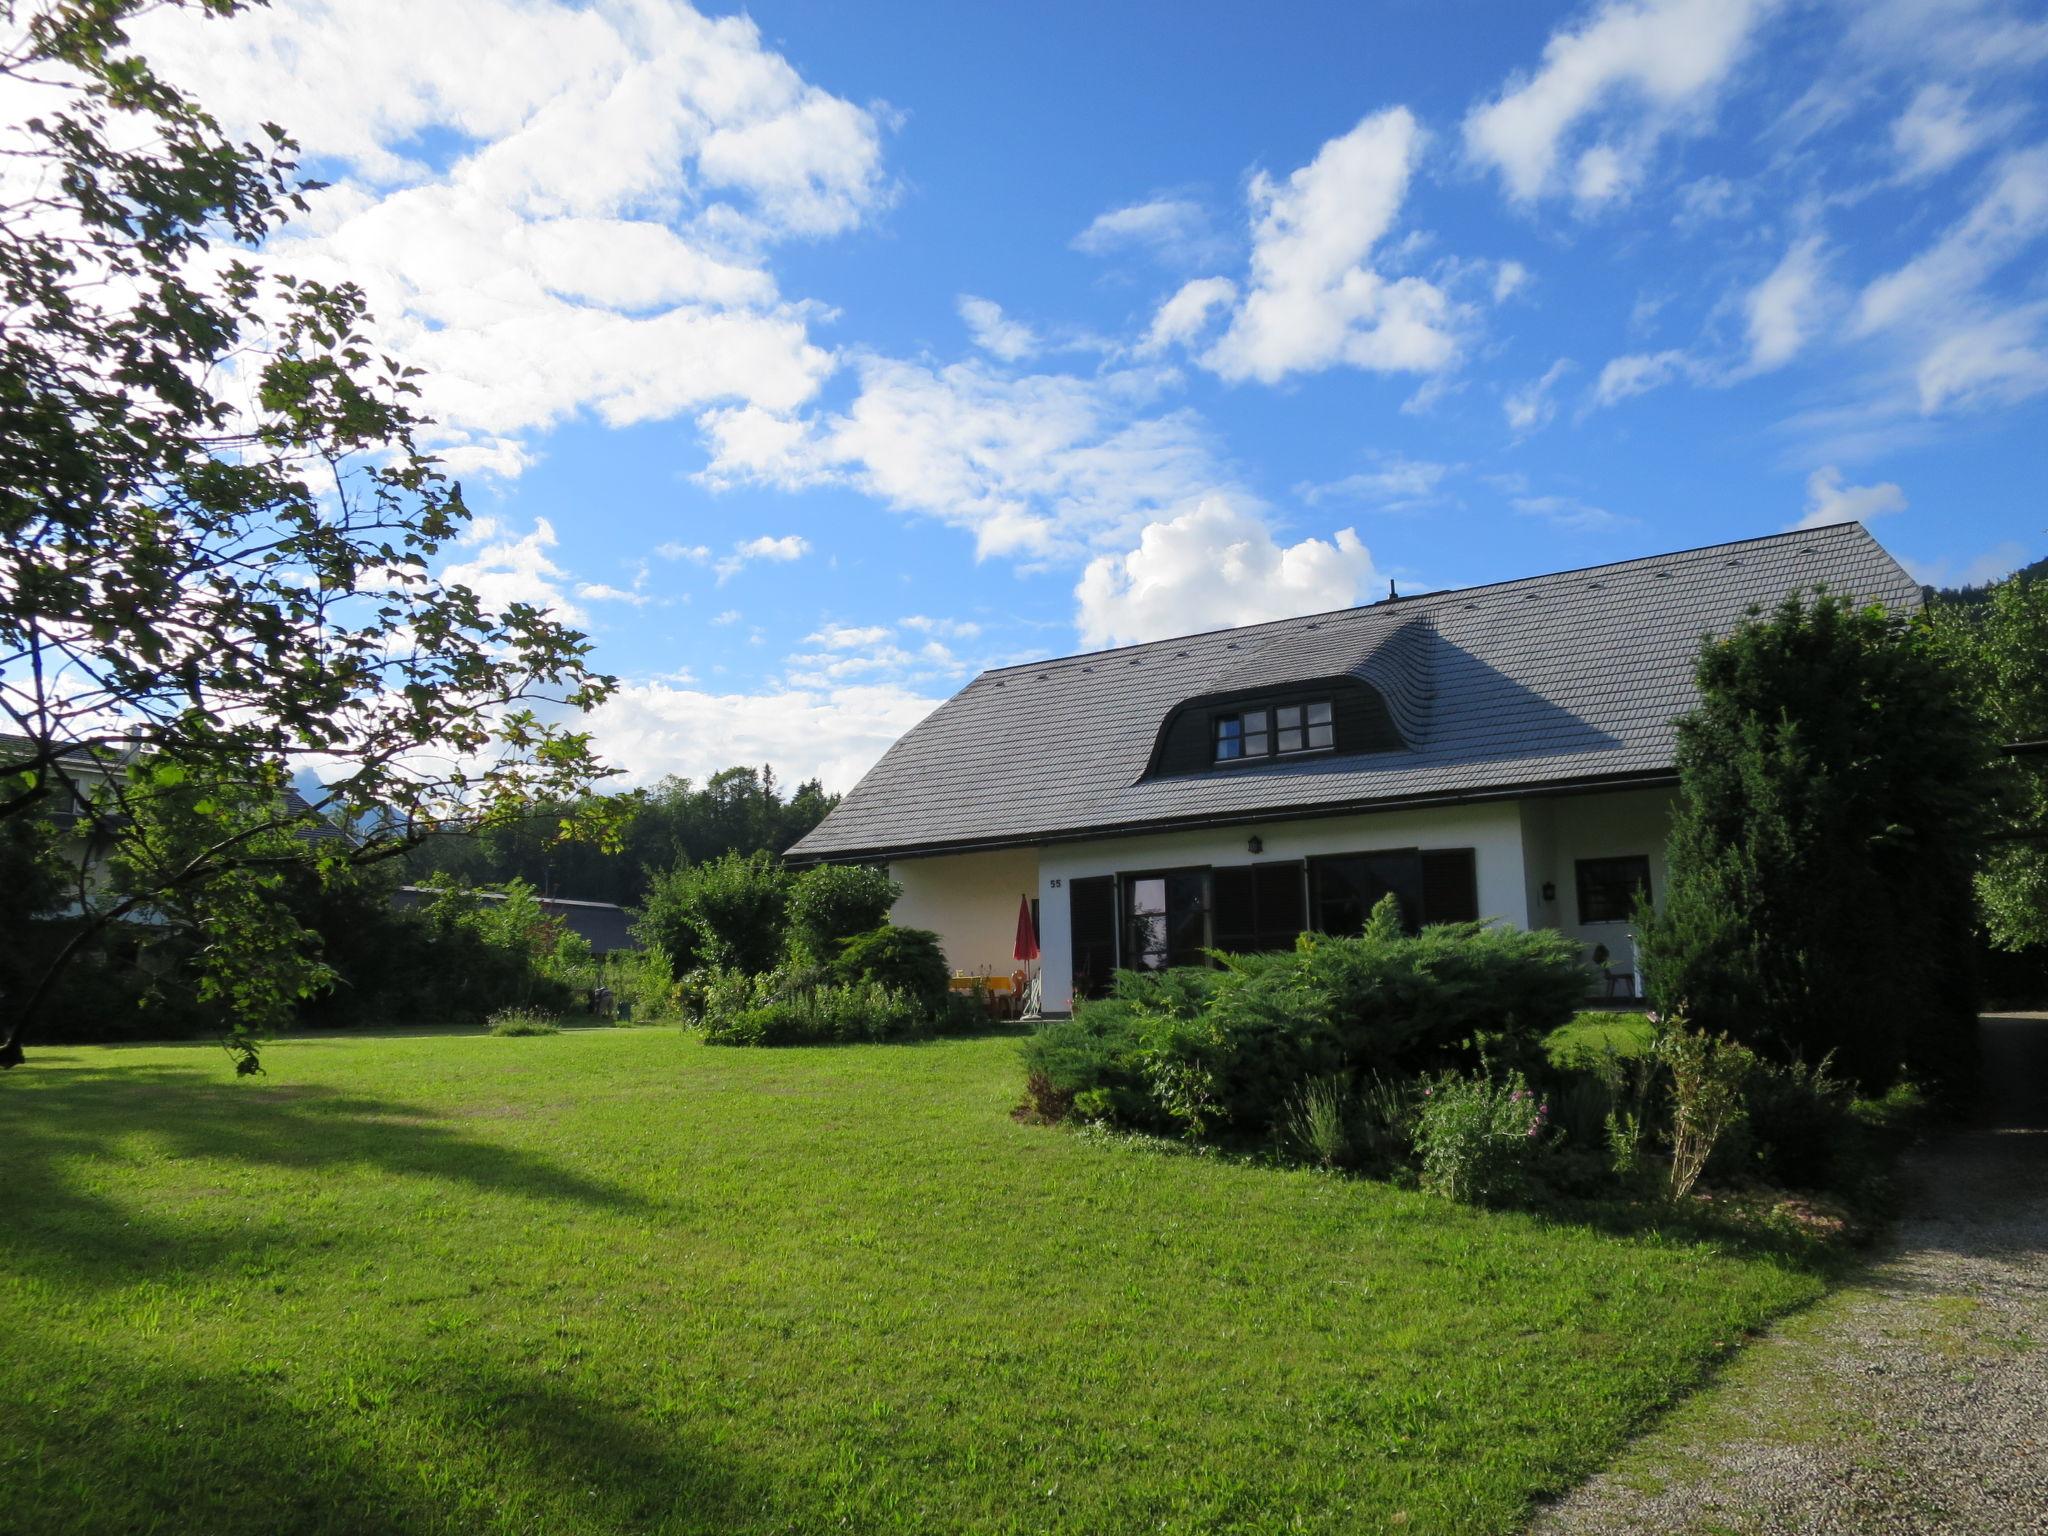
pixel 676 822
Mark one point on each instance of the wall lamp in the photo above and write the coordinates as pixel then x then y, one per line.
pixel 1255 844
pixel 1550 890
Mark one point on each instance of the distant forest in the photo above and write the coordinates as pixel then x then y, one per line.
pixel 1968 595
pixel 676 820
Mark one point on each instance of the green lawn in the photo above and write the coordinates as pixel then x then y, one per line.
pixel 622 1281
pixel 1582 1042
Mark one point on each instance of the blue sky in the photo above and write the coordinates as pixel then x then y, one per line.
pixel 816 356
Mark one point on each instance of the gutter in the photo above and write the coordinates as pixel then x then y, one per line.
pixel 1535 789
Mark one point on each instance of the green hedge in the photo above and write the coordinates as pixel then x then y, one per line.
pixel 1202 1052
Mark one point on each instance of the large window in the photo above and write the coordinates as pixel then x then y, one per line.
pixel 1258 906
pixel 1438 885
pixel 1608 888
pixel 1166 919
pixel 1281 729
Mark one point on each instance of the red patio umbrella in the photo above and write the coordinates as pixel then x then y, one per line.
pixel 1027 932
pixel 1026 949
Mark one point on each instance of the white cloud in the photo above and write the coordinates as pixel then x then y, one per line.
pixel 602 592
pixel 1395 483
pixel 846 637
pixel 696 554
pixel 1215 565
pixel 1530 408
pixel 2010 216
pixel 1183 317
pixel 1174 230
pixel 993 332
pixel 730 616
pixel 1509 279
pixel 788 547
pixel 1040 466
pixel 1828 500
pixel 1783 310
pixel 1938 129
pixel 1569 513
pixel 955 629
pixel 834 734
pixel 1313 301
pixel 508 569
pixel 1638 374
pixel 594 241
pixel 1991 359
pixel 1635 70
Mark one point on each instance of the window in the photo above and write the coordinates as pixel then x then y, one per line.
pixel 1304 727
pixel 1166 919
pixel 1437 886
pixel 1286 728
pixel 1258 906
pixel 1608 887
pixel 1242 735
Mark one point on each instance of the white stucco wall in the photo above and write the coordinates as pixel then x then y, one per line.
pixel 1494 832
pixel 970 901
pixel 1559 832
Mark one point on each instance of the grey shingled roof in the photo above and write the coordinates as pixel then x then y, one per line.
pixel 1545 682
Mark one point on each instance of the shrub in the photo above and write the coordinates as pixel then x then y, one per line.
pixel 1707 1076
pixel 907 960
pixel 1200 1051
pixel 821 1014
pixel 833 903
pixel 727 912
pixel 523 1021
pixel 1799 1120
pixel 1479 1138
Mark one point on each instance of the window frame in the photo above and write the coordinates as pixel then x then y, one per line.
pixel 1235 726
pixel 1580 871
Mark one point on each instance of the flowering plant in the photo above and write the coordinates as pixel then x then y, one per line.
pixel 1480 1137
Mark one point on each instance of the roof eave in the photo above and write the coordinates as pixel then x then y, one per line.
pixel 1582 784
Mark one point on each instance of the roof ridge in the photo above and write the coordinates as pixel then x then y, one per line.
pixel 1431 596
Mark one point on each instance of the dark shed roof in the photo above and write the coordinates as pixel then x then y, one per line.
pixel 607 926
pixel 1567 680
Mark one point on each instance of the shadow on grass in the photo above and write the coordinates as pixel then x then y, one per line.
pixel 64 1133
pixel 455 1444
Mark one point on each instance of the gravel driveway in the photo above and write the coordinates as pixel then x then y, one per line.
pixel 1913 1400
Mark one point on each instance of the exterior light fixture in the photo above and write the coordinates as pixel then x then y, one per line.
pixel 1255 844
pixel 1550 890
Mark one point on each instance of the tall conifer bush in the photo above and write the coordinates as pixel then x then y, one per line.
pixel 1821 854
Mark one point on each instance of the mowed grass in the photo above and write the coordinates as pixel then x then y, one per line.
pixel 622 1281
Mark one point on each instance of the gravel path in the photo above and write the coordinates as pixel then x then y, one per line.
pixel 1914 1400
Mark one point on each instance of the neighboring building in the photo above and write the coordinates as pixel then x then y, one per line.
pixel 603 923
pixel 1503 751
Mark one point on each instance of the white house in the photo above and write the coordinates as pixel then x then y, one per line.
pixel 1502 751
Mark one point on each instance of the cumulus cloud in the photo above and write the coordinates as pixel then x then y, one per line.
pixel 1313 300
pixel 1211 566
pixel 506 568
pixel 595 240
pixel 1530 408
pixel 1587 121
pixel 1828 500
pixel 788 547
pixel 1039 466
pixel 847 637
pixel 833 733
pixel 1183 317
pixel 994 332
pixel 1782 311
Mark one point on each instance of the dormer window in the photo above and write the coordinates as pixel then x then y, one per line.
pixel 1243 735
pixel 1282 731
